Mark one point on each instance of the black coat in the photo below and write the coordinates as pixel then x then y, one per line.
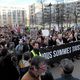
pixel 25 48
pixel 51 42
pixel 47 76
pixel 7 70
pixel 67 77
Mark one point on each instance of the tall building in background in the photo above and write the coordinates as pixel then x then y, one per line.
pixel 60 14
pixel 12 16
pixel 78 10
pixel 35 15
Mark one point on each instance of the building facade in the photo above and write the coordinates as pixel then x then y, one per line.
pixel 12 16
pixel 35 15
pixel 61 14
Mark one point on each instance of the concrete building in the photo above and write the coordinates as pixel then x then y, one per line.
pixel 78 11
pixel 72 13
pixel 35 14
pixel 39 16
pixel 12 16
pixel 62 14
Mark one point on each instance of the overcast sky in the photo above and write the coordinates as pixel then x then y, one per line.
pixel 28 2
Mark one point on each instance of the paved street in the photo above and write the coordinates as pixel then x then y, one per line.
pixel 56 71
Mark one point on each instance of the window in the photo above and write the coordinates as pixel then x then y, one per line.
pixel 4 22
pixel 9 13
pixel 4 17
pixel 14 14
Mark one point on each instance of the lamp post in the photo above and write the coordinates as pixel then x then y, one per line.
pixel 42 1
pixel 57 14
pixel 50 17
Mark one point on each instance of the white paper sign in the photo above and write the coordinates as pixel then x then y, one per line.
pixel 45 32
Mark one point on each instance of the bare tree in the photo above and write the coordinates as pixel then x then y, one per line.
pixel 60 14
pixel 42 1
pixel 76 16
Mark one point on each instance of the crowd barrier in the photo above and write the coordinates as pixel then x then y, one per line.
pixel 56 53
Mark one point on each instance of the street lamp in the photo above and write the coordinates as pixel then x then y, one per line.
pixel 57 14
pixel 50 16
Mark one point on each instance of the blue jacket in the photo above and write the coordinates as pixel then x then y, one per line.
pixel 19 49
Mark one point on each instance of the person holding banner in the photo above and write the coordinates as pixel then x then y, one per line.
pixel 52 41
pixel 35 51
pixel 59 40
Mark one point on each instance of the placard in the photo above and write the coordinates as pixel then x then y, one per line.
pixel 45 32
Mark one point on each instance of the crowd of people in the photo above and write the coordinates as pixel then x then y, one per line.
pixel 20 58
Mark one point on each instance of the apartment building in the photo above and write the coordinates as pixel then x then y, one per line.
pixel 60 13
pixel 35 14
pixel 12 16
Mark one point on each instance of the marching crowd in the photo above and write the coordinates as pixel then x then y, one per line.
pixel 20 58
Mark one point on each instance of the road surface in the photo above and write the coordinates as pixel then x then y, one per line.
pixel 56 71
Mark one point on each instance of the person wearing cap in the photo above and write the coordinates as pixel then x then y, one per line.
pixel 37 68
pixel 67 69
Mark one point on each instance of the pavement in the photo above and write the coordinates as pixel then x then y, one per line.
pixel 56 71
